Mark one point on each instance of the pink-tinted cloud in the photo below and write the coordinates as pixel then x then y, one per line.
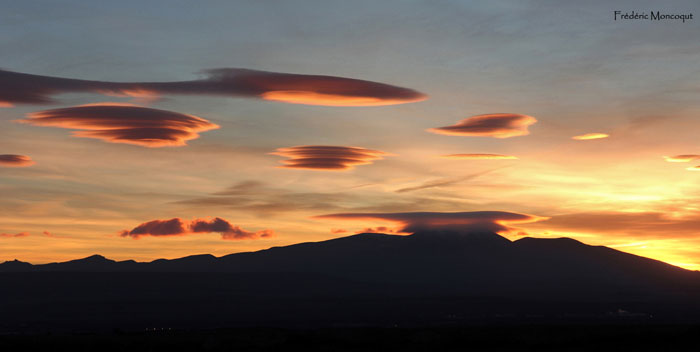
pixel 14 235
pixel 321 157
pixel 683 158
pixel 180 227
pixel 283 87
pixel 489 125
pixel 589 136
pixel 14 160
pixel 479 157
pixel 493 221
pixel 124 123
pixel 337 231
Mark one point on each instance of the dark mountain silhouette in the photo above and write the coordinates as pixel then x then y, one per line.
pixel 368 278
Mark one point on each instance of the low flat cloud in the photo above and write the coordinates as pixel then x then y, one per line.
pixel 489 125
pixel 683 158
pixel 14 235
pixel 694 168
pixel 322 157
pixel 22 88
pixel 14 160
pixel 124 123
pixel 180 227
pixel 479 157
pixel 589 136
pixel 658 225
pixel 493 221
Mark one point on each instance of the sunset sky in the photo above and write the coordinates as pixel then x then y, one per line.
pixel 161 129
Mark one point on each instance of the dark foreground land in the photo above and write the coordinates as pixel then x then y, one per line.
pixel 435 291
pixel 466 338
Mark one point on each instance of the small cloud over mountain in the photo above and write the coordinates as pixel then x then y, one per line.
pixel 493 221
pixel 180 227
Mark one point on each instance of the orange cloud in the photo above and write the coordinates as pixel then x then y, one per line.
pixel 321 157
pixel 124 123
pixel 14 160
pixel 179 227
pixel 337 231
pixel 479 157
pixel 14 235
pixel 493 221
pixel 683 158
pixel 283 87
pixel 694 168
pixel 489 125
pixel 589 136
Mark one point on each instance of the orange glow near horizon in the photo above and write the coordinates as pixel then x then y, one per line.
pixel 314 98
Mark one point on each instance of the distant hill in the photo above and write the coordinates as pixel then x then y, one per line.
pixel 463 275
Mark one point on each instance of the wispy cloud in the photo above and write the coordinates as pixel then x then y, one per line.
pixel 443 182
pixel 14 235
pixel 489 125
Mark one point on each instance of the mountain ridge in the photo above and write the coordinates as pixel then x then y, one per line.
pixel 365 279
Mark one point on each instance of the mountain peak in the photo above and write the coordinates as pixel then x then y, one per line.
pixel 459 235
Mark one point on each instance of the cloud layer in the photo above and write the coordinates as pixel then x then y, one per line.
pixel 589 136
pixel 479 157
pixel 322 157
pixel 14 160
pixel 180 227
pixel 21 88
pixel 124 123
pixel 492 221
pixel 489 125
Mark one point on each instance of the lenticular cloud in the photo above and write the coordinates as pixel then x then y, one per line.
pixel 124 123
pixel 322 157
pixel 489 125
pixel 22 88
